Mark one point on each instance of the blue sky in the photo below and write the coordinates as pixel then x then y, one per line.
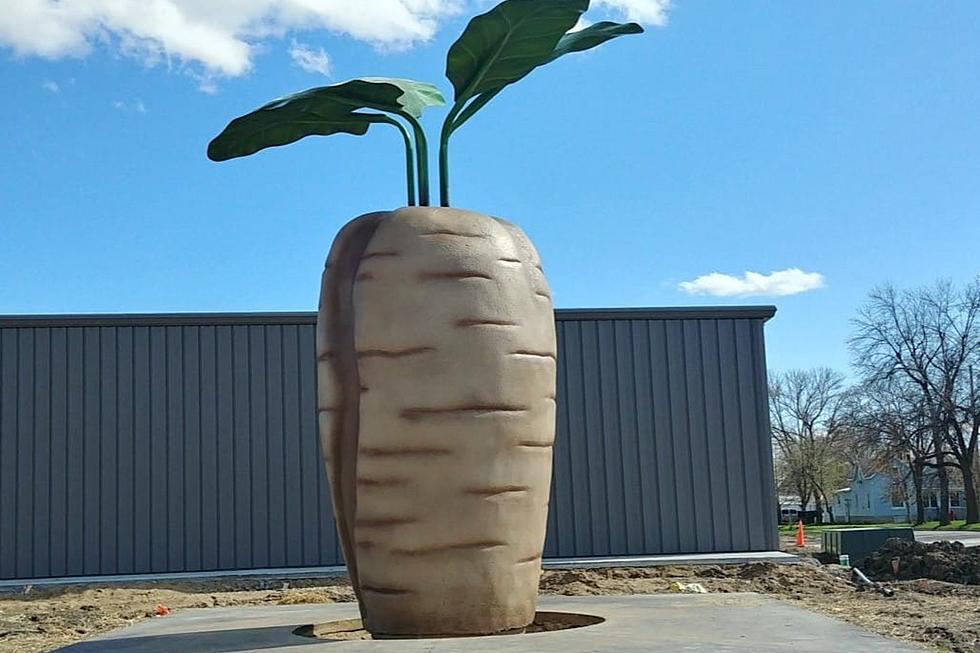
pixel 839 139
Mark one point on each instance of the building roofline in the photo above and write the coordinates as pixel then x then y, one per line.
pixel 307 318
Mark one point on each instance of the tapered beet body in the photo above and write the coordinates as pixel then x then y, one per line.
pixel 436 361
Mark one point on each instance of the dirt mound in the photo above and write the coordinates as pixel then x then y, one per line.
pixel 950 562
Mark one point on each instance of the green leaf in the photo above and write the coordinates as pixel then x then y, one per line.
pixel 265 128
pixel 322 111
pixel 585 39
pixel 397 96
pixel 506 43
pixel 592 36
pixel 415 96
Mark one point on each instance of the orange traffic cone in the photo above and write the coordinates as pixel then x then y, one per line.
pixel 800 535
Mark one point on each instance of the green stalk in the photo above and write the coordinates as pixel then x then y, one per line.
pixel 447 131
pixel 460 113
pixel 409 159
pixel 422 156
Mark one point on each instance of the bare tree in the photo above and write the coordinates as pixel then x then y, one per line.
pixel 807 410
pixel 894 433
pixel 929 337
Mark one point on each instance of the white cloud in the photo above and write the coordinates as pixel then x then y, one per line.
pixel 211 39
pixel 120 105
pixel 310 60
pixel 648 12
pixel 221 36
pixel 139 106
pixel 51 86
pixel 791 281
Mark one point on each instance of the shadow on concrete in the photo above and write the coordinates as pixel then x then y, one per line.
pixel 215 641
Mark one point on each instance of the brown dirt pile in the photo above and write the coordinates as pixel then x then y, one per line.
pixel 946 561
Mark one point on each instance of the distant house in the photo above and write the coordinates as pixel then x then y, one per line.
pixel 879 497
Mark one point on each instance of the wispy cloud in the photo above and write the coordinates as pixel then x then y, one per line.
pixel 51 86
pixel 310 60
pixel 791 281
pixel 211 39
pixel 135 105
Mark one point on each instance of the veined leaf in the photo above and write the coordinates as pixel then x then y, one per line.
pixel 592 36
pixel 415 97
pixel 506 43
pixel 380 93
pixel 584 39
pixel 265 128
pixel 322 111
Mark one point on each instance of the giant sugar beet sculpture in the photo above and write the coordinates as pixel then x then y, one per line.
pixel 436 349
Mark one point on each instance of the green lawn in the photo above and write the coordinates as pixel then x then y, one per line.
pixel 790 529
pixel 953 526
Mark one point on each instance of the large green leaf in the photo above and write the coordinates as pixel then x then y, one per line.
pixel 506 43
pixel 270 128
pixel 322 111
pixel 584 39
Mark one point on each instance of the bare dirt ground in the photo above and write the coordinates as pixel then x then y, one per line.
pixel 942 616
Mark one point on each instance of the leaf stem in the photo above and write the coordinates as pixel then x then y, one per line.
pixel 447 131
pixel 422 157
pixel 409 159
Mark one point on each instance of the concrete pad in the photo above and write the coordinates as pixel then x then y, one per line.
pixel 968 538
pixel 659 623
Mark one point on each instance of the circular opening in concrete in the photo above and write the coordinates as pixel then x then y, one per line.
pixel 353 629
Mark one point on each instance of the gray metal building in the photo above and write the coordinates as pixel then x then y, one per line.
pixel 175 443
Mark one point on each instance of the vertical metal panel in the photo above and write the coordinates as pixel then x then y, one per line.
pixel 258 447
pixel 648 495
pixel 40 553
pixel 25 453
pixel 276 444
pixel 158 446
pixel 74 477
pixel 579 484
pixel 126 451
pixel 629 435
pixel 57 509
pixel 141 487
pixel 295 523
pixel 224 451
pixel 191 395
pixel 8 453
pixel 698 437
pixel 660 399
pixel 610 437
pixel 715 440
pixel 209 434
pixel 108 466
pixel 171 504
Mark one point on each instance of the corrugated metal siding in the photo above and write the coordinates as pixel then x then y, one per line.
pixel 157 444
